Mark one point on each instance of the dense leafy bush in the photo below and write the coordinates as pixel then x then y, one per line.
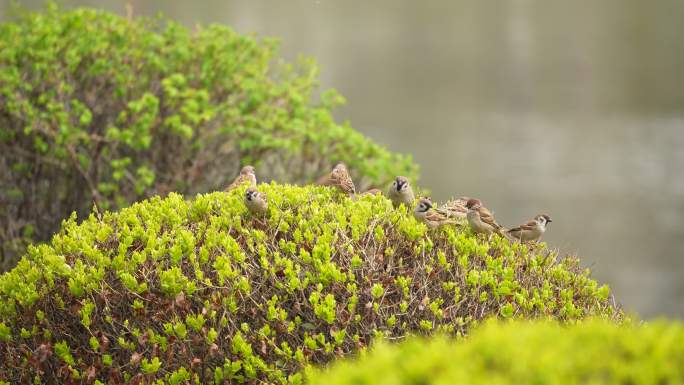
pixel 173 289
pixel 94 107
pixel 526 353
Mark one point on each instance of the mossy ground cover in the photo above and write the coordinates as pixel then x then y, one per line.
pixel 592 352
pixel 170 289
pixel 97 107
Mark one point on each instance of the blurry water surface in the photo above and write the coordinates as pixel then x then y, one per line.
pixel 572 108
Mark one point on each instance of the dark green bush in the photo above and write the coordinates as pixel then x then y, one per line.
pixel 516 353
pixel 94 107
pixel 172 289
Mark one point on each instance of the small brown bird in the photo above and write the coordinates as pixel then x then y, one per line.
pixel 401 192
pixel 532 230
pixel 480 219
pixel 432 218
pixel 247 174
pixel 339 177
pixel 256 201
pixel 373 191
pixel 455 208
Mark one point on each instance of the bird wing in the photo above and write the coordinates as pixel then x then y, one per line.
pixel 527 226
pixel 236 183
pixel 453 207
pixel 487 217
pixel 442 210
pixel 343 181
pixel 436 216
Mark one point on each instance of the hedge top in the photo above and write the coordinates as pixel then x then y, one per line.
pixel 595 352
pixel 170 288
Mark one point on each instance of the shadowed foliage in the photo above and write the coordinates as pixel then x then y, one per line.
pixel 98 108
pixel 174 289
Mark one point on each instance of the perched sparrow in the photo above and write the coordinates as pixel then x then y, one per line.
pixel 532 230
pixel 339 177
pixel 400 192
pixel 455 208
pixel 480 219
pixel 432 218
pixel 256 201
pixel 246 175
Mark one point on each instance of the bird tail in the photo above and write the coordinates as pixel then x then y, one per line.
pixel 505 234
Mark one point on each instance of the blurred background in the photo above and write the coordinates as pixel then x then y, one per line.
pixel 574 109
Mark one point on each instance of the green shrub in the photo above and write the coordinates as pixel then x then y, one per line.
pixel 212 292
pixel 94 107
pixel 499 353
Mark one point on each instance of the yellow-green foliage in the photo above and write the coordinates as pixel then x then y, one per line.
pixel 591 352
pixel 96 107
pixel 174 288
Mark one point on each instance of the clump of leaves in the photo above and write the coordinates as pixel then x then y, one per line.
pixel 170 288
pixel 592 352
pixel 96 107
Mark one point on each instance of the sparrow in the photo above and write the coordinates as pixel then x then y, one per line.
pixel 339 177
pixel 455 208
pixel 256 201
pixel 401 192
pixel 373 191
pixel 431 217
pixel 480 219
pixel 532 230
pixel 246 175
